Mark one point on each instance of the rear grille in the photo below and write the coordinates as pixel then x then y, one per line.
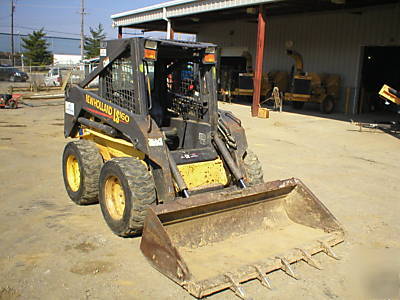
pixel 184 92
pixel 302 86
pixel 118 86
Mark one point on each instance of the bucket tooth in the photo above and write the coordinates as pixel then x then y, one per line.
pixel 236 288
pixel 328 250
pixel 263 279
pixel 285 267
pixel 309 259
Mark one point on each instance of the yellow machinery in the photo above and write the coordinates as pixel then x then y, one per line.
pixel 312 87
pixel 392 127
pixel 245 87
pixel 154 150
pixel 390 94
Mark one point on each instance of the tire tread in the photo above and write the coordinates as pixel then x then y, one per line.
pixel 91 166
pixel 142 186
pixel 253 168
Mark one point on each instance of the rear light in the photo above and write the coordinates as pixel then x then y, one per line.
pixel 150 54
pixel 58 79
pixel 209 58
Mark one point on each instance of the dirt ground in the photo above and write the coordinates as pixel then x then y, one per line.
pixel 53 249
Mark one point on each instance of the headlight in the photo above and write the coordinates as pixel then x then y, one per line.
pixel 210 50
pixel 150 45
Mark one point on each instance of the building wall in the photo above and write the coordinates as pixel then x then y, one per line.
pixel 330 42
pixel 66 59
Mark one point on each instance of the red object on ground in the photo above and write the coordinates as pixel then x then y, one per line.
pixel 12 102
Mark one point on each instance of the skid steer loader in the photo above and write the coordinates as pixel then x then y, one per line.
pixel 152 147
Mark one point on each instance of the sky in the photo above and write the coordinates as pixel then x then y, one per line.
pixel 62 18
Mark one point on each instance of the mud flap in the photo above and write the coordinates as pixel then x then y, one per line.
pixel 215 241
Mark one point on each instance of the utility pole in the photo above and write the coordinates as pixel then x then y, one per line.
pixel 82 27
pixel 12 32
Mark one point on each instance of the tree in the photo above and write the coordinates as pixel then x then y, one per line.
pixel 92 44
pixel 36 46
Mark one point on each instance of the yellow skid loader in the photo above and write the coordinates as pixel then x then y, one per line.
pixel 152 147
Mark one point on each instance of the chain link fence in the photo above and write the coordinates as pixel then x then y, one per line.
pixel 36 78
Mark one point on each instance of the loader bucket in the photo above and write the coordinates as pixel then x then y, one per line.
pixel 217 240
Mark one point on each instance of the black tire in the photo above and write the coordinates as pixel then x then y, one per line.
pixel 253 169
pixel 297 104
pixel 139 193
pixel 12 104
pixel 327 106
pixel 90 162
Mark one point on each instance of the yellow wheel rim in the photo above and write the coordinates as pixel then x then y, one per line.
pixel 73 173
pixel 115 197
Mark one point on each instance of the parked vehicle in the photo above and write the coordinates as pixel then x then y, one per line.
pixel 53 77
pixel 12 74
pixel 56 76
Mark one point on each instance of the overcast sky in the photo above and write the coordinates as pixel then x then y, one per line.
pixel 62 18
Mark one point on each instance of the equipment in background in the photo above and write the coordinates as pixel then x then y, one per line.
pixel 243 87
pixel 392 127
pixel 388 93
pixel 312 87
pixel 9 100
pixel 236 80
pixel 163 161
pixel 275 79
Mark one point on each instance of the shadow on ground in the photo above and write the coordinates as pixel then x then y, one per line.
pixel 312 109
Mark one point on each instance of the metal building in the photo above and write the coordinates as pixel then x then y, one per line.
pixel 357 39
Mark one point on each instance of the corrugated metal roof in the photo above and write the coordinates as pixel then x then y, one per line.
pixel 178 8
pixel 152 7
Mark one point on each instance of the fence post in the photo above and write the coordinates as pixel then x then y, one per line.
pixel 22 62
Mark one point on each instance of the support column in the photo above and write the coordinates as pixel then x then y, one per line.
pixel 170 30
pixel 259 61
pixel 119 32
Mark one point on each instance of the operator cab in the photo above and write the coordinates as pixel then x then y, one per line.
pixel 179 87
pixel 172 81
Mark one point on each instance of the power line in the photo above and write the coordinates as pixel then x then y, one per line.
pixel 46 6
pixel 63 32
pixel 5 17
pixel 31 28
